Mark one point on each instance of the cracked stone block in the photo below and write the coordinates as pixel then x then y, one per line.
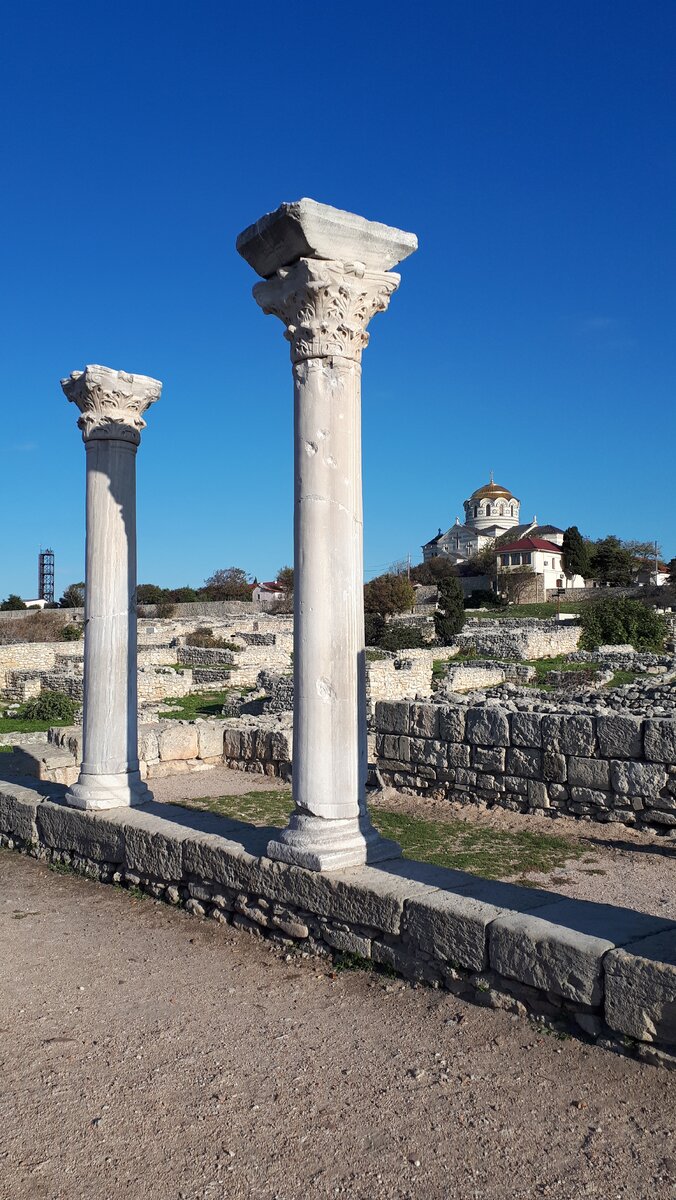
pixel 637 779
pixel 392 717
pixel 660 740
pixel 178 741
pixel 527 729
pixel 589 773
pixel 451 724
pixel 561 947
pixel 620 736
pixel 525 762
pixel 487 727
pixel 18 808
pixel 641 988
pixel 423 720
pixel 87 833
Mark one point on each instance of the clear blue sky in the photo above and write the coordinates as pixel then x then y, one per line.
pixel 530 145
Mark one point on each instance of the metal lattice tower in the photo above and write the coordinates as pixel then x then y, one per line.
pixel 46 576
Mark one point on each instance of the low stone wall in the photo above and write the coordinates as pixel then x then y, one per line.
pixel 502 637
pixel 605 768
pixel 406 674
pixel 204 656
pixel 27 656
pixel 607 971
pixel 463 677
pixel 160 683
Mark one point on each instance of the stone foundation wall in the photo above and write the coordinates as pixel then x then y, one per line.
pixel 504 638
pixel 157 683
pixel 406 674
pixel 611 767
pixel 27 656
pixel 203 656
pixel 607 972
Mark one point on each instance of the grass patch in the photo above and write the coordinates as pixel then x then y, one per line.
pixel 621 678
pixel 375 655
pixel 490 853
pixel 22 725
pixel 188 708
pixel 6 749
pixel 546 608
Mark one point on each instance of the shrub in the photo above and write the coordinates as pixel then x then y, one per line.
pixel 484 598
pixel 389 594
pixel 617 620
pixel 450 618
pixel 205 638
pixel 374 625
pixel 34 627
pixel 399 636
pixel 165 610
pixel 49 706
pixel 71 633
pixel 13 603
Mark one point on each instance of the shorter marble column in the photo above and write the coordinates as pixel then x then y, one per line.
pixel 111 404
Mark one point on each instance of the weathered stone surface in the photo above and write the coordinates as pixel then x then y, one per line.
pixel 590 796
pixel 86 833
pixel 620 736
pixel 660 740
pixel 526 729
pixel 392 718
pixel 451 723
pixel 578 736
pixel 538 797
pixel 220 858
pixel 561 947
pixel 640 984
pixel 210 739
pixel 307 229
pixel 425 750
pixel 488 758
pixel 458 755
pixel 554 766
pixel 178 741
pixel 423 720
pixel 637 779
pixel 18 807
pixel 487 727
pixel 525 762
pixel 452 927
pixel 589 773
pixel 348 942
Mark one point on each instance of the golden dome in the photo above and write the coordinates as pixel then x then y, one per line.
pixel 492 491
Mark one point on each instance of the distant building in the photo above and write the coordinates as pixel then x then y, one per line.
pixel 267 593
pixel 540 555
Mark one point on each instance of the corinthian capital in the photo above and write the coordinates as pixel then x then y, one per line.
pixel 326 305
pixel 111 402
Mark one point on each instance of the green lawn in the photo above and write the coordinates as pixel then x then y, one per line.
pixel 490 853
pixel 18 725
pixel 546 608
pixel 188 708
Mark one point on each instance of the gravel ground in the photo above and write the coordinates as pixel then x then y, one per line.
pixel 149 1055
pixel 630 868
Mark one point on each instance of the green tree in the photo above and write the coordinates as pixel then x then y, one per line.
pixel 575 553
pixel 285 579
pixel 229 583
pixel 13 603
pixel 434 570
pixel 671 567
pixel 182 595
pixel 450 618
pixel 397 635
pixel 389 594
pixel 150 593
pixel 73 597
pixel 374 624
pixel 619 621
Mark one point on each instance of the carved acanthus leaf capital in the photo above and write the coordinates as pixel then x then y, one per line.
pixel 326 305
pixel 111 402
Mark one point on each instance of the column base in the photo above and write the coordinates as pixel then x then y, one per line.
pixel 322 844
pixel 123 790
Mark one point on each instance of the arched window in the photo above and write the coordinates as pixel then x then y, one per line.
pixel 476 510
pixel 488 509
pixel 511 507
pixel 502 510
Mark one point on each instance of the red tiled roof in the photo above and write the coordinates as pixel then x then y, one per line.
pixel 529 544
pixel 271 586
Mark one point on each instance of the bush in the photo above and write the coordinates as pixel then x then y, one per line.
pixel 483 598
pixel 450 619
pixel 13 603
pixel 49 706
pixel 389 594
pixel 165 610
pixel 617 620
pixel 374 625
pixel 399 636
pixel 71 633
pixel 205 639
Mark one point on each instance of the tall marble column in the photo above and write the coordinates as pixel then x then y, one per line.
pixel 112 404
pixel 326 274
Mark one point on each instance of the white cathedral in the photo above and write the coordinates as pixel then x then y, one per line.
pixel 491 512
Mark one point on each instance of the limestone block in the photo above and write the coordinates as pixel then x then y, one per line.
pixel 221 858
pixel 148 746
pixel 392 717
pixel 538 796
pixel 232 743
pixel 526 729
pixel 488 758
pixel 590 796
pixel 487 727
pixel 431 753
pixel 280 745
pixel 458 755
pixel 640 984
pixel 637 779
pixel 177 741
pixel 561 947
pixel 465 778
pixel 578 735
pixel 525 762
pixel 18 807
pixel 396 747
pixel 149 851
pixel 86 833
pixel 589 773
pixel 210 739
pixel 620 736
pixel 423 720
pixel 660 740
pixel 451 723
pixel 308 229
pixel 516 785
pixel 554 766
pixel 346 940
pixel 452 927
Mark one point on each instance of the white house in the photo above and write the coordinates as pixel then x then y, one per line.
pixel 267 593
pixel 542 556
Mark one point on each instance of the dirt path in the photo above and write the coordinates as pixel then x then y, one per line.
pixel 150 1056
pixel 622 866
